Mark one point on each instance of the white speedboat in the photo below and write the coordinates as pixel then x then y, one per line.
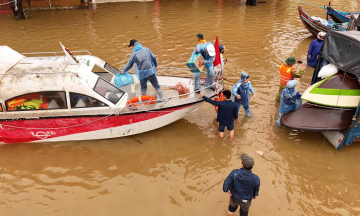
pixel 62 98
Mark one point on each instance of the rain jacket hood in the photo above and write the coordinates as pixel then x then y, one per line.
pixel 137 47
pixel 243 77
pixel 243 89
pixel 291 84
pixel 289 96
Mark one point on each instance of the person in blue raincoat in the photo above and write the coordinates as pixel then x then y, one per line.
pixel 290 100
pixel 241 93
pixel 315 48
pixel 207 51
pixel 145 66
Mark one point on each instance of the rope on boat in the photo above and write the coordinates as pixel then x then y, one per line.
pixel 127 106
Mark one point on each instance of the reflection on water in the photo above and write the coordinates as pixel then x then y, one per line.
pixel 179 169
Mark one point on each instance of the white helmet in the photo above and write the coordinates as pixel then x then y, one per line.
pixel 211 49
pixel 321 35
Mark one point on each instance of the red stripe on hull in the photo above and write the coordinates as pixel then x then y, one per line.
pixel 57 127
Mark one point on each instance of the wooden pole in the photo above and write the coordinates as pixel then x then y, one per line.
pixel 327 15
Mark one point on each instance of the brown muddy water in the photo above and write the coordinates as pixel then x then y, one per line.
pixel 179 169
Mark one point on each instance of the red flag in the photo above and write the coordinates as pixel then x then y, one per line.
pixel 217 51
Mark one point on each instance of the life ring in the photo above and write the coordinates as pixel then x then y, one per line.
pixel 218 97
pixel 144 98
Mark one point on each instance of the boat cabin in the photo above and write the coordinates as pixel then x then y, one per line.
pixel 60 85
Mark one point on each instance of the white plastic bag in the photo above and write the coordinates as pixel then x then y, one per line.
pixel 320 20
pixel 327 71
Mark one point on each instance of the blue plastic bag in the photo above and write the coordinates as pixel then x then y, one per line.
pixel 123 79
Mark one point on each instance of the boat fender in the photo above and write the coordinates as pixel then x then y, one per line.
pixel 219 97
pixel 132 102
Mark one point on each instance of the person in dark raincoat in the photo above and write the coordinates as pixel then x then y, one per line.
pixel 315 48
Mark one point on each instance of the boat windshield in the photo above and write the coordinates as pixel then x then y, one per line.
pixel 111 69
pixel 108 91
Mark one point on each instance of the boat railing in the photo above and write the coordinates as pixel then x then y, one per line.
pixel 176 68
pixel 56 52
pixel 167 99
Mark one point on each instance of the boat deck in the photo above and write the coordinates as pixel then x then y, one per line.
pixel 310 117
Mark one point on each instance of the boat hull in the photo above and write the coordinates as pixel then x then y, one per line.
pixel 90 127
pixel 339 90
pixel 338 16
pixel 313 26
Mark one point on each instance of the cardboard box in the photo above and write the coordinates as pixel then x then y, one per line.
pixel 194 61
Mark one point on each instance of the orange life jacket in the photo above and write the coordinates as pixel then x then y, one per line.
pixel 285 74
pixel 202 41
pixel 219 97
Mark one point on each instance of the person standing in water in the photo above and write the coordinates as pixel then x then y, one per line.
pixel 227 113
pixel 287 73
pixel 242 186
pixel 241 93
pixel 315 48
pixel 290 100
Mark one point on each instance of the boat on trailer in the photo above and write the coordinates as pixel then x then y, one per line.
pixel 333 104
pixel 315 27
pixel 47 97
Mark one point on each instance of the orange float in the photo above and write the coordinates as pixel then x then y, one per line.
pixel 144 98
pixel 219 97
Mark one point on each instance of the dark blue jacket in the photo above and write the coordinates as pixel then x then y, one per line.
pixel 314 50
pixel 227 111
pixel 243 184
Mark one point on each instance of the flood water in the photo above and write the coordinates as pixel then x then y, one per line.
pixel 179 169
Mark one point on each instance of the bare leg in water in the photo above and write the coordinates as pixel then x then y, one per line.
pixel 221 134
pixel 232 134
